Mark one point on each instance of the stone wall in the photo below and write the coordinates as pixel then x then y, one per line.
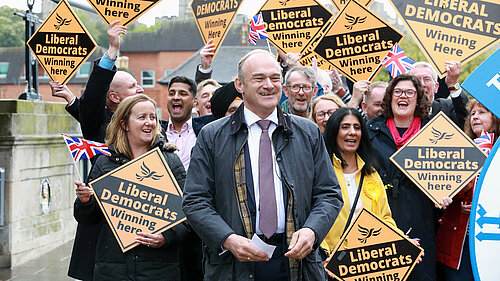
pixel 32 151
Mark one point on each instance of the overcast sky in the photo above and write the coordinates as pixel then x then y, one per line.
pixel 164 8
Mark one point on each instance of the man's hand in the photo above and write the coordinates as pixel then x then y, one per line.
pixel 359 89
pixel 292 59
pixel 150 240
pixel 336 80
pixel 453 71
pixel 114 32
pixel 243 250
pixel 314 65
pixel 207 54
pixel 83 192
pixel 61 91
pixel 301 244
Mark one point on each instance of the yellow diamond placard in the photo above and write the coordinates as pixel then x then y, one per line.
pixel 140 196
pixel 339 4
pixel 292 24
pixel 440 159
pixel 61 44
pixel 451 30
pixel 372 250
pixel 357 42
pixel 214 18
pixel 127 11
pixel 308 53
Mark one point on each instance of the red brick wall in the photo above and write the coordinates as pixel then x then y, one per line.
pixel 158 62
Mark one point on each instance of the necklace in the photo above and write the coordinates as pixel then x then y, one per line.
pixel 349 178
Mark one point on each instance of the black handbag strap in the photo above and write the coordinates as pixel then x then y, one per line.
pixel 353 206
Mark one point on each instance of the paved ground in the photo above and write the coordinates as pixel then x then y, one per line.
pixel 53 266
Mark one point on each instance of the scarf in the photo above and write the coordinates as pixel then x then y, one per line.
pixel 410 132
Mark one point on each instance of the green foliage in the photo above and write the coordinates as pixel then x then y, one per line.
pixel 97 28
pixel 12 28
pixel 140 27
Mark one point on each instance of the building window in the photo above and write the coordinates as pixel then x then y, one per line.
pixel 4 69
pixel 148 78
pixel 84 70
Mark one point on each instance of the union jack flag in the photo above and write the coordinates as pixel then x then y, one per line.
pixel 84 149
pixel 257 29
pixel 485 141
pixel 397 62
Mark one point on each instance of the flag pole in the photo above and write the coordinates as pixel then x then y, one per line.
pixel 74 163
pixel 267 39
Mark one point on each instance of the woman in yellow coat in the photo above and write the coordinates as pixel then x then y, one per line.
pixel 347 141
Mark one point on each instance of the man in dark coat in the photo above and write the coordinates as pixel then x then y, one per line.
pixel 223 186
pixel 95 108
pixel 455 108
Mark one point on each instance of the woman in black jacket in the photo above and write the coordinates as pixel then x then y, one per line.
pixel 405 110
pixel 133 130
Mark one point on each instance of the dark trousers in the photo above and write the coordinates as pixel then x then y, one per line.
pixel 276 269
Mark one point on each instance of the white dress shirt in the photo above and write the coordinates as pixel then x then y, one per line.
pixel 184 140
pixel 254 132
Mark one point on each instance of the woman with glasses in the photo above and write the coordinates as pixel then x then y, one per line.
pixel 348 144
pixel 323 107
pixel 404 111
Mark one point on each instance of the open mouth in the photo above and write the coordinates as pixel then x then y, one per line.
pixel 402 104
pixel 351 142
pixel 177 107
pixel 300 100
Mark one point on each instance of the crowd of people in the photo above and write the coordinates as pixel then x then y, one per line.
pixel 284 152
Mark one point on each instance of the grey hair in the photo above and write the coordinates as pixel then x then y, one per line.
pixel 307 71
pixel 429 66
pixel 324 79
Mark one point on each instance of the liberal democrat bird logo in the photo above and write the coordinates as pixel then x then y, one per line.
pixel 353 20
pixel 439 136
pixel 284 2
pixel 61 21
pixel 367 233
pixel 147 173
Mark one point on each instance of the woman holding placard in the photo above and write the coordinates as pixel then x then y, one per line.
pixel 405 110
pixel 452 236
pixel 346 139
pixel 133 131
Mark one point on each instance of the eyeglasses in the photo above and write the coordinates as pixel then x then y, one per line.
pixel 296 88
pixel 408 92
pixel 322 114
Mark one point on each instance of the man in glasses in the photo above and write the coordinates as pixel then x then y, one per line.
pixel 300 87
pixel 455 108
